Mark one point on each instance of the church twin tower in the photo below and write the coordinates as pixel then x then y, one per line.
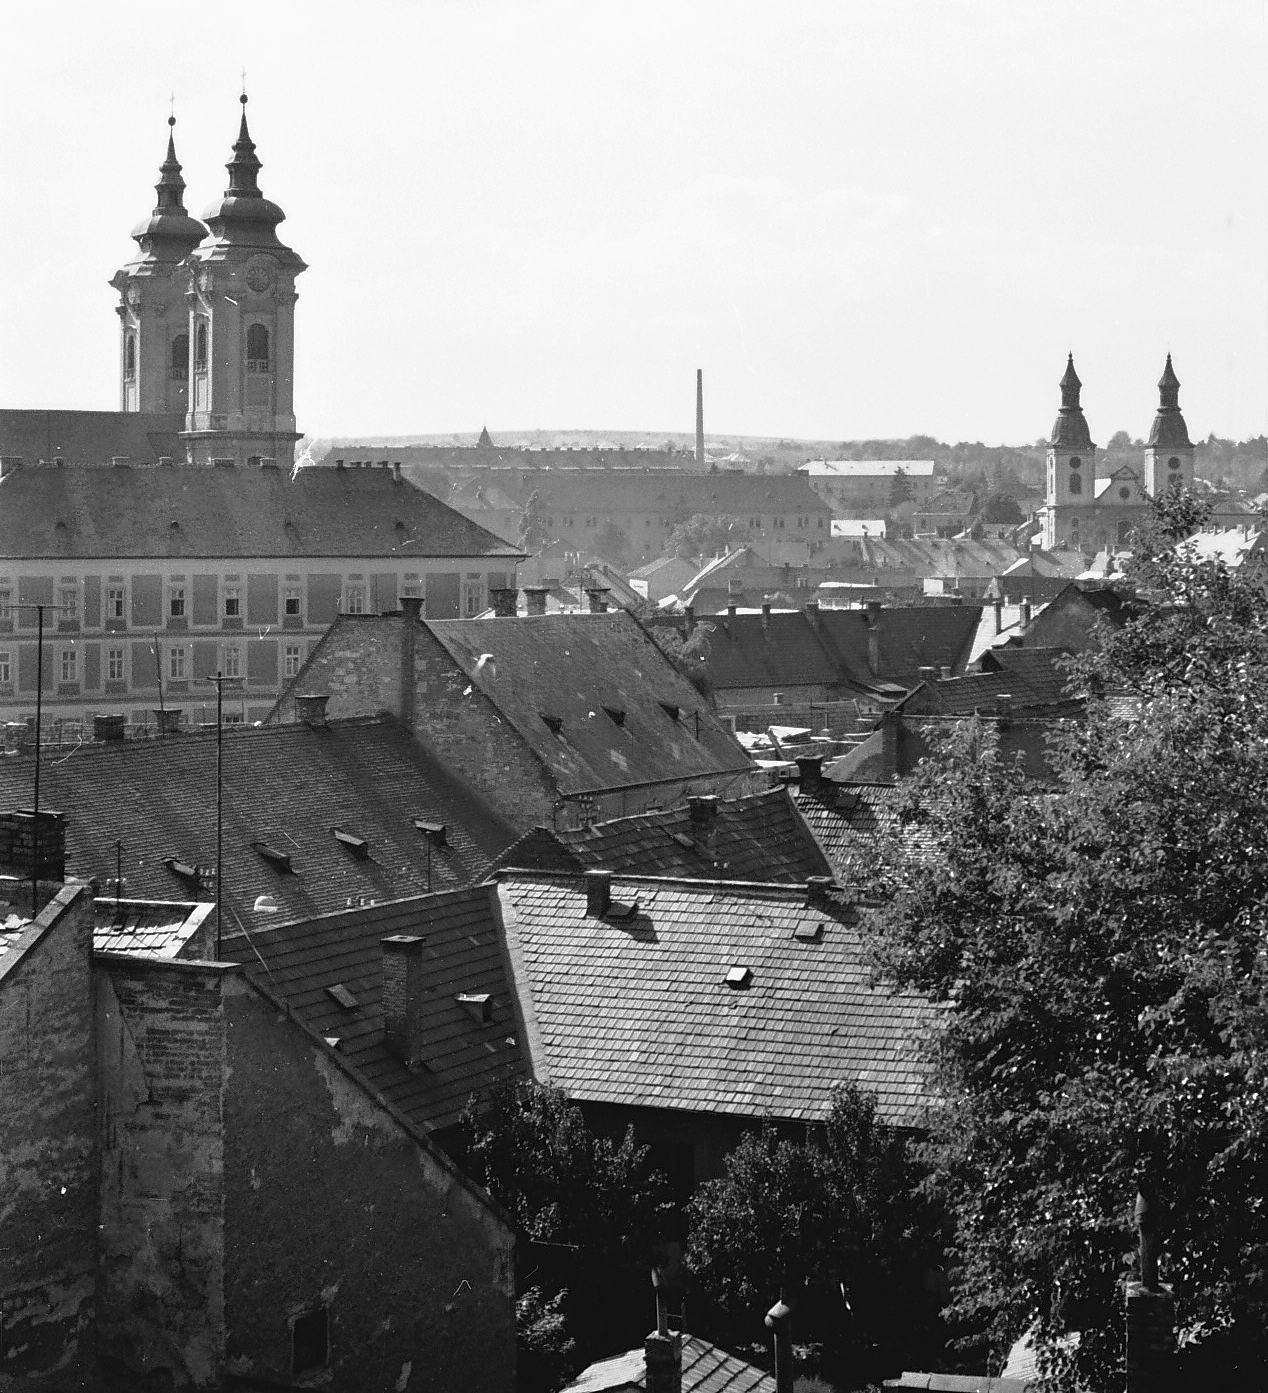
pixel 207 317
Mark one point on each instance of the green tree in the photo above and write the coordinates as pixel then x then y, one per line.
pixel 705 535
pixel 832 1217
pixel 612 541
pixel 900 488
pixel 534 533
pixel 1100 953
pixel 689 653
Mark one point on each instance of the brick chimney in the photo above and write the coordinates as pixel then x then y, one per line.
pixel 403 996
pixel 1004 705
pixel 819 890
pixel 779 1322
pixel 765 616
pixel 704 821
pixel 872 617
pixel 412 607
pixel 1025 611
pixel 999 616
pixel 598 893
pixel 928 673
pixel 310 707
pixel 812 613
pixel 596 598
pixel 810 773
pixel 17 843
pixel 504 600
pixel 662 1349
pixel 689 615
pixel 535 598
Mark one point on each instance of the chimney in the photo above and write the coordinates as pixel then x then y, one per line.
pixel 700 417
pixel 412 607
pixel 689 614
pixel 662 1349
pixel 927 673
pixel 810 772
pixel 779 1321
pixel 595 598
pixel 310 707
pixel 18 843
pixel 946 672
pixel 999 616
pixel 598 893
pixel 731 607
pixel 872 613
pixel 777 698
pixel 403 996
pixel 1025 611
pixel 1004 705
pixel 765 615
pixel 535 598
pixel 503 600
pixel 109 727
pixel 167 720
pixel 818 890
pixel 396 472
pixel 812 613
pixel 704 821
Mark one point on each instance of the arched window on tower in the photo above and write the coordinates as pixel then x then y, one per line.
pixel 1076 481
pixel 200 346
pixel 257 348
pixel 129 354
pixel 180 357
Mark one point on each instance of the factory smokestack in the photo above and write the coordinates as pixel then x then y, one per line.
pixel 700 416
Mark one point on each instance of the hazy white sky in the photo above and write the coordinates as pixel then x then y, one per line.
pixel 860 219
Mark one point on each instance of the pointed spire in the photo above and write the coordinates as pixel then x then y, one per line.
pixel 169 232
pixel 170 187
pixel 1169 431
pixel 244 167
pixel 242 215
pixel 1071 430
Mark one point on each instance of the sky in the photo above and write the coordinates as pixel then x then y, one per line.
pixel 859 219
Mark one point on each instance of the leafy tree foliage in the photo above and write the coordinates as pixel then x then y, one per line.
pixel 830 1217
pixel 547 1353
pixel 1101 953
pixel 705 535
pixel 900 488
pixel 689 653
pixel 612 541
pixel 534 534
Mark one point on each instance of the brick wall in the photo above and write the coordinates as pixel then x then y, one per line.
pixel 161 1047
pixel 48 1153
pixel 331 1202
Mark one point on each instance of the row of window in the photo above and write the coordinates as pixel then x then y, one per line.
pixel 257 352
pixel 178 663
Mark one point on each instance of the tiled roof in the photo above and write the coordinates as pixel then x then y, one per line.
pixel 285 789
pixel 299 962
pixel 637 1010
pixel 705 1369
pixel 1029 676
pixel 850 822
pixel 90 437
pixel 776 650
pixel 909 637
pixel 154 928
pixel 608 683
pixel 192 511
pixel 755 838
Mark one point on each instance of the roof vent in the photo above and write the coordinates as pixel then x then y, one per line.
pixel 819 888
pixel 809 930
pixel 435 832
pixel 616 714
pixel 187 871
pixel 279 860
pixel 120 461
pixel 343 996
pixel 478 1005
pixel 739 978
pixel 554 724
pixel 264 904
pixel 671 709
pixel 358 846
pixel 310 708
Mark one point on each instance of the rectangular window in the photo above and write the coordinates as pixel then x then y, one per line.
pixel 176 663
pixel 176 602
pixel 6 603
pixel 233 660
pixel 473 593
pixel 70 665
pixel 292 659
pixel 5 671
pixel 115 602
pixel 233 602
pixel 290 600
pixel 114 664
pixel 356 600
pixel 68 602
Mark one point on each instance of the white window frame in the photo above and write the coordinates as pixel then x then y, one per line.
pixel 116 665
pixel 175 597
pixel 292 659
pixel 176 662
pixel 116 602
pixel 231 666
pixel 6 666
pixel 355 597
pixel 70 665
pixel 293 593
pixel 233 596
pixel 68 603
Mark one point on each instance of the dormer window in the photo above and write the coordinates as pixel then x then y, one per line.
pixel 257 348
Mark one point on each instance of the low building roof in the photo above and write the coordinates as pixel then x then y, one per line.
pixel 285 790
pixel 90 437
pixel 705 1369
pixel 1030 677
pixel 715 997
pixel 850 822
pixel 302 961
pixel 758 838
pixel 908 637
pixel 188 511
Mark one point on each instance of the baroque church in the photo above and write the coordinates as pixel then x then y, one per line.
pixel 1091 512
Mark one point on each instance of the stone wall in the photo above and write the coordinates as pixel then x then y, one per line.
pixel 48 1152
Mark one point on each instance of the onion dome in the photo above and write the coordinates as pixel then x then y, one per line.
pixel 1070 431
pixel 1169 431
pixel 243 215
pixel 169 233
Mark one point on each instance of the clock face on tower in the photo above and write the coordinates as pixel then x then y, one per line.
pixel 259 277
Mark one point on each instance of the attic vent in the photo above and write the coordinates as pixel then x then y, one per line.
pixel 264 904
pixel 343 996
pixel 183 869
pixel 808 930
pixel 739 977
pixel 671 709
pixel 553 723
pixel 616 714
pixel 478 1005
pixel 279 860
pixel 358 846
pixel 435 832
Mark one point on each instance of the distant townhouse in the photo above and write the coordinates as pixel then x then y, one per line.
pixel 864 488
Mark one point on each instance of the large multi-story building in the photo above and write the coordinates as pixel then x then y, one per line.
pixel 172 540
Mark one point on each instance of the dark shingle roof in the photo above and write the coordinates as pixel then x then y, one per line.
pixel 851 821
pixel 190 511
pixel 781 649
pixel 90 437
pixel 1030 677
pixel 705 1369
pixel 674 1033
pixel 299 962
pixel 285 787
pixel 758 838
pixel 605 680
pixel 909 637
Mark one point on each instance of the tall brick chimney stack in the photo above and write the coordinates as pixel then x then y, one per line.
pixel 700 417
pixel 662 1350
pixel 403 996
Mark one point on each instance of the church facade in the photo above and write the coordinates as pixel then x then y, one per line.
pixel 1093 512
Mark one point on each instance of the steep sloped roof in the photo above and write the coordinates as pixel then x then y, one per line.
pixel 90 437
pixel 757 838
pixel 301 961
pixel 781 649
pixel 189 511
pixel 1030 677
pixel 608 686
pixel 909 637
pixel 800 1015
pixel 285 789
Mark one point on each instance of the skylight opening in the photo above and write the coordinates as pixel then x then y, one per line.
pixel 435 832
pixel 554 724
pixel 279 860
pixel 615 714
pixel 739 978
pixel 358 846
pixel 671 709
pixel 809 930
pixel 478 1005
pixel 338 992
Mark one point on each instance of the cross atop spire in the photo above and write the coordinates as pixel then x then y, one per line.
pixel 244 167
pixel 170 187
pixel 1071 430
pixel 169 233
